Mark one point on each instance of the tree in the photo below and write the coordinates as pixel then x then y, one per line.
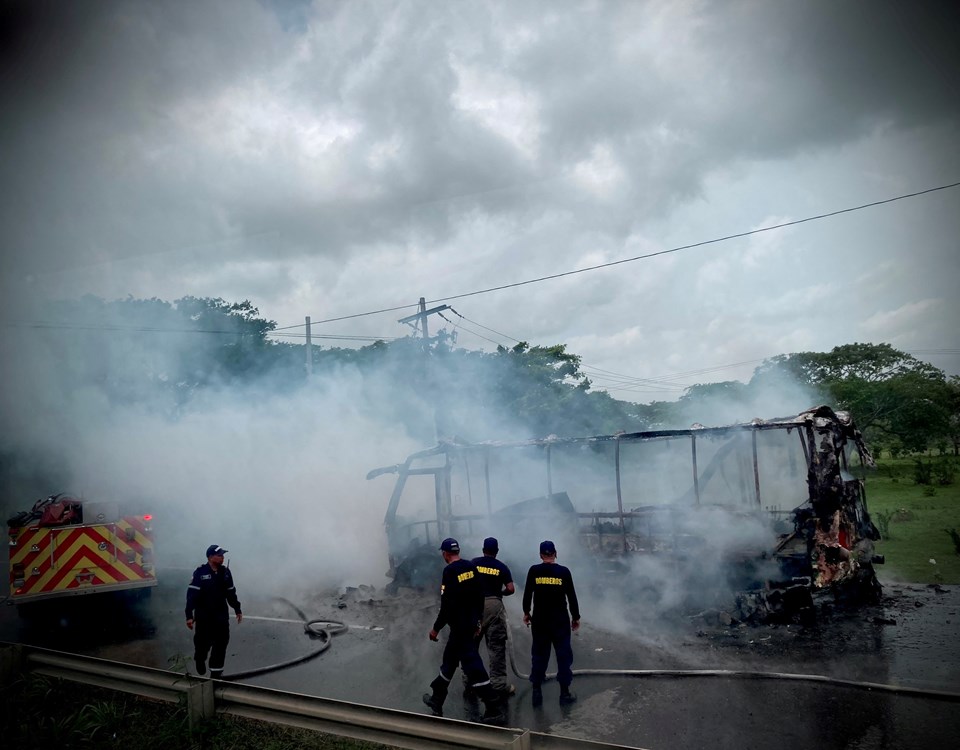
pixel 157 353
pixel 953 413
pixel 894 397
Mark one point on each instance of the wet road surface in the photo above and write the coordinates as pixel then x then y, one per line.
pixel 384 658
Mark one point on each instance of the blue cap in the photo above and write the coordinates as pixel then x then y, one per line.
pixel 450 545
pixel 215 549
pixel 490 544
pixel 548 548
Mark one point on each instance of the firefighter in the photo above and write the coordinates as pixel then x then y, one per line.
pixel 549 588
pixel 209 593
pixel 497 583
pixel 461 607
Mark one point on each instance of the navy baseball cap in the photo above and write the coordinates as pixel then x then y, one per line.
pixel 450 545
pixel 548 548
pixel 215 549
pixel 490 544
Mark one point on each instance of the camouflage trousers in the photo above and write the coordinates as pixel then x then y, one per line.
pixel 493 630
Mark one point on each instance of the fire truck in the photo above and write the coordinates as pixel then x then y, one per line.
pixel 65 546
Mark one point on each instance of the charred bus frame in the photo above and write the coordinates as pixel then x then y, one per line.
pixel 825 541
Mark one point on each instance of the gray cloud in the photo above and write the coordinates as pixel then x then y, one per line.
pixel 179 148
pixel 328 158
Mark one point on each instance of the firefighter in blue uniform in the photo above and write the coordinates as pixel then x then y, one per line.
pixel 549 588
pixel 461 607
pixel 497 583
pixel 209 593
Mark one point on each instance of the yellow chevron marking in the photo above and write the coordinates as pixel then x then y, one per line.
pixel 41 537
pixel 84 541
pixel 26 541
pixel 144 541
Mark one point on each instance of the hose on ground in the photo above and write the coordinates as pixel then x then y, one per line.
pixel 325 630
pixel 319 628
pixel 737 674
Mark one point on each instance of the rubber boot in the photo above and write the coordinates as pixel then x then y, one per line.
pixel 200 664
pixel 537 694
pixel 435 699
pixel 492 702
pixel 566 697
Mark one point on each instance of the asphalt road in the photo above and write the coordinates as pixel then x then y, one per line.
pixel 384 658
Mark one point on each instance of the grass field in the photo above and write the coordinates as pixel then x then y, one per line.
pixel 38 712
pixel 915 522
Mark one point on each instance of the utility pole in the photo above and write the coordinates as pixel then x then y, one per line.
pixel 309 350
pixel 421 317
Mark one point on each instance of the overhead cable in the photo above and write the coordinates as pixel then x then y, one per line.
pixel 696 244
pixel 348 317
pixel 155 329
pixel 503 335
pixel 715 240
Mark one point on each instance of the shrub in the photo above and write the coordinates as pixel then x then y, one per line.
pixel 955 536
pixel 922 472
pixel 944 472
pixel 883 522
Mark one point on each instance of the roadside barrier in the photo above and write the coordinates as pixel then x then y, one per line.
pixel 204 698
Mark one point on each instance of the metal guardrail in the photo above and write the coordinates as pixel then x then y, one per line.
pixel 205 698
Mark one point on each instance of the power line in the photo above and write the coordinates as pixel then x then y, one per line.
pixel 472 333
pixel 636 383
pixel 502 335
pixel 120 329
pixel 698 244
pixel 348 317
pixel 628 384
pixel 155 329
pixel 715 240
pixel 340 337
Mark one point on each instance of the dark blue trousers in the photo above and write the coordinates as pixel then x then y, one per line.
pixel 211 637
pixel 547 633
pixel 461 649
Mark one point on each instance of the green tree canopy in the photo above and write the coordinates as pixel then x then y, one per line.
pixel 894 397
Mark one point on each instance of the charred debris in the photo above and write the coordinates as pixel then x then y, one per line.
pixel 766 520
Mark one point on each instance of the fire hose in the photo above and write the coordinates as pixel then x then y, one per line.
pixel 325 630
pixel 736 674
pixel 319 628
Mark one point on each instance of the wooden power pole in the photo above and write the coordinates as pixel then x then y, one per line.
pixel 421 317
pixel 309 350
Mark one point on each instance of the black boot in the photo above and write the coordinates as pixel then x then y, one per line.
pixel 492 702
pixel 566 697
pixel 200 664
pixel 435 699
pixel 537 694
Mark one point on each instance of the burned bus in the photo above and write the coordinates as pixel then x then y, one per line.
pixel 770 512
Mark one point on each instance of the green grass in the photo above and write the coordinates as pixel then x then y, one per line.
pixel 38 712
pixel 916 530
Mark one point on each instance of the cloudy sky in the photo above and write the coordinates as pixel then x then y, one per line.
pixel 336 158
